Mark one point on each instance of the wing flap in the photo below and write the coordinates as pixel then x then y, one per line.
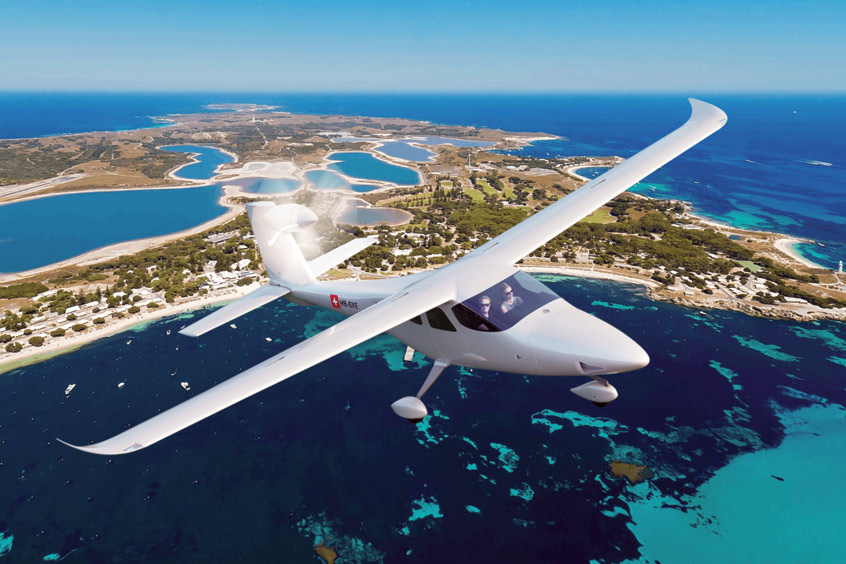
pixel 410 302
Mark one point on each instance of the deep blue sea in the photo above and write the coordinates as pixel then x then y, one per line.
pixel 740 418
pixel 321 456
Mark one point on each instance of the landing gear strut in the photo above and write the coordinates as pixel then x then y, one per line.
pixel 410 407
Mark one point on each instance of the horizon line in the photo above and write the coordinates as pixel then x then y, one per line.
pixel 428 92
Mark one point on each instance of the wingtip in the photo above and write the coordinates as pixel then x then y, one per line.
pixel 102 448
pixel 704 110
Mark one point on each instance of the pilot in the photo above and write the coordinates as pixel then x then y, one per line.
pixel 485 306
pixel 509 300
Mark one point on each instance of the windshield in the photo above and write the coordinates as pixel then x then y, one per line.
pixel 504 304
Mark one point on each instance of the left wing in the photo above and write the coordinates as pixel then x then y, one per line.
pixel 411 301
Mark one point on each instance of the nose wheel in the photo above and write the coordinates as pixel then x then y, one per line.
pixel 411 407
pixel 598 391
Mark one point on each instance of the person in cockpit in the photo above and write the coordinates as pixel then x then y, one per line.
pixel 509 300
pixel 485 306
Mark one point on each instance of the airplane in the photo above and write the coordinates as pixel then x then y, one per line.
pixel 479 311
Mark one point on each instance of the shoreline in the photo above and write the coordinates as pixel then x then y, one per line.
pixel 787 246
pixel 61 345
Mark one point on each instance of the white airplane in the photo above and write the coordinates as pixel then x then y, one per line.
pixel 479 311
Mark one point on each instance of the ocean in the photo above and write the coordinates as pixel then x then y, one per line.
pixel 322 457
pixel 733 411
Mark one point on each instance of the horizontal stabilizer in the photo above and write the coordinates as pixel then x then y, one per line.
pixel 239 307
pixel 336 256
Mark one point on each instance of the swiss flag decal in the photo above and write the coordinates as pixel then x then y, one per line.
pixel 336 303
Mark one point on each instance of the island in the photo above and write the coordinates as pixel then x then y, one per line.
pixel 469 187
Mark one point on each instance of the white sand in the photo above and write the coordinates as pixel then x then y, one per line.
pixel 786 246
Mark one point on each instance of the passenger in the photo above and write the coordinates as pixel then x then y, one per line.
pixel 509 300
pixel 485 307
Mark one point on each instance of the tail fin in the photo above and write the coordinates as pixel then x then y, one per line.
pixel 274 227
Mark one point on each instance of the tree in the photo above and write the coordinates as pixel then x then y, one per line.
pixel 14 347
pixel 36 341
pixel 59 332
pixel 79 327
pixel 5 338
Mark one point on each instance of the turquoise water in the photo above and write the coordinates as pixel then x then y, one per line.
pixel 34 233
pixel 367 167
pixel 208 159
pixel 798 492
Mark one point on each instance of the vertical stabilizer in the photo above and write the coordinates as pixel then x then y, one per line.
pixel 274 227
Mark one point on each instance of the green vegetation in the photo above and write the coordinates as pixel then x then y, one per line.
pixel 600 216
pixel 58 332
pixel 25 290
pixel 79 327
pixel 36 341
pixel 14 347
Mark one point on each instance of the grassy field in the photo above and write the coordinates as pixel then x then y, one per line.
pixel 600 216
pixel 486 188
pixel 474 194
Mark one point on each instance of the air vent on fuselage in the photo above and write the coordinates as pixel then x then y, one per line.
pixel 590 368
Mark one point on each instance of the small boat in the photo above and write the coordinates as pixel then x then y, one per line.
pixel 129 341
pixel 185 385
pixel 233 325
pixel 168 332
pixel 268 339
pixel 820 244
pixel 121 385
pixel 69 389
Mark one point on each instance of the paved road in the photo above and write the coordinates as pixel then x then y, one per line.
pixel 22 189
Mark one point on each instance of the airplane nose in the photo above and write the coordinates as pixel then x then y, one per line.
pixel 592 346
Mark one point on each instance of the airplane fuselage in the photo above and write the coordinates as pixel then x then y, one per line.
pixel 555 339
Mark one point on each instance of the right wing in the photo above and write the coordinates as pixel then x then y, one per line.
pixel 413 300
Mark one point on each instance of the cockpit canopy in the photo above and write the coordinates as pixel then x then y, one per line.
pixel 504 304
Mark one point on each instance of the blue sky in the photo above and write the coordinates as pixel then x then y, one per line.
pixel 712 45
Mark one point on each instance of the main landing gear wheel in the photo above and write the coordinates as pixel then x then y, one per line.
pixel 411 407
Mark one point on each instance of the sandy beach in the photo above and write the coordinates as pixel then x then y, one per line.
pixel 589 273
pixel 786 246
